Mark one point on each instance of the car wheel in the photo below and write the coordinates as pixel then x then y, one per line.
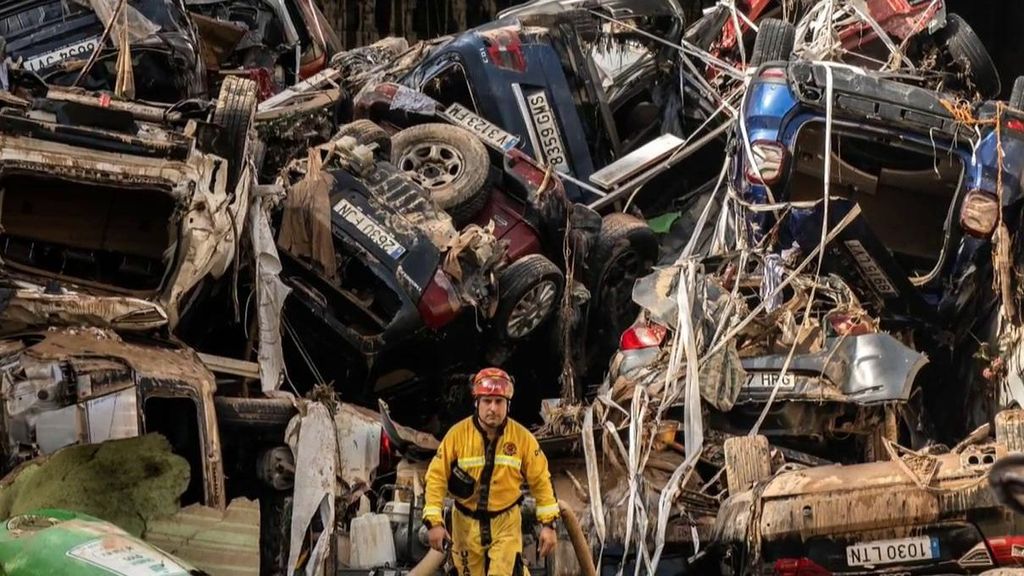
pixel 624 252
pixel 449 163
pixel 235 112
pixel 775 40
pixel 747 462
pixel 367 132
pixel 529 291
pixel 967 50
pixel 262 413
pixel 1017 94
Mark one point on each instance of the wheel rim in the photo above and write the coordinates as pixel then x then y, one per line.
pixel 433 164
pixel 532 309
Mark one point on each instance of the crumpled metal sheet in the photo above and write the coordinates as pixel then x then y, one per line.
pixel 30 306
pixel 313 439
pixel 410 100
pixel 270 295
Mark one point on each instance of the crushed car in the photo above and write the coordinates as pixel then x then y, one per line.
pixel 78 43
pixel 117 198
pixel 539 73
pixel 401 276
pixel 917 513
pixel 276 43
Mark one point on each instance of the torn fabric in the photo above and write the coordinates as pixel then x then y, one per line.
pixel 306 222
pixel 313 439
pixel 270 296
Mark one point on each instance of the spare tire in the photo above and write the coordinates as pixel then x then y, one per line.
pixel 367 132
pixel 775 40
pixel 234 113
pixel 451 165
pixel 967 50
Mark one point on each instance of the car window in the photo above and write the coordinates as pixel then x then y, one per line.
pixel 450 85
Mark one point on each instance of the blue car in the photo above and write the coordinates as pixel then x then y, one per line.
pixel 536 72
pixel 917 203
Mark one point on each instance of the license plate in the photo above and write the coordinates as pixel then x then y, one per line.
pixel 881 552
pixel 483 129
pixel 767 380
pixel 548 136
pixel 118 555
pixel 369 228
pixel 78 50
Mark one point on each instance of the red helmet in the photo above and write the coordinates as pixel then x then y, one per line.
pixel 493 382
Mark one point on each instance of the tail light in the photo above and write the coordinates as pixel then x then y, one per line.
pixel 799 567
pixel 979 214
pixel 439 304
pixel 772 73
pixel 1007 551
pixel 769 160
pixel 386 452
pixel 1015 124
pixel 642 336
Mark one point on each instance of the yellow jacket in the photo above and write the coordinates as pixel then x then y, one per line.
pixel 517 458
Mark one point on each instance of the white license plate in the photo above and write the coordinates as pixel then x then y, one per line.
pixel 483 129
pixel 118 555
pixel 767 380
pixel 78 50
pixel 369 228
pixel 546 127
pixel 881 552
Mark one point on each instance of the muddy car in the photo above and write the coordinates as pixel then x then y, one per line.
pixel 920 197
pixel 86 385
pixel 395 296
pixel 55 39
pixel 914 514
pixel 115 198
pixel 845 383
pixel 275 42
pixel 536 73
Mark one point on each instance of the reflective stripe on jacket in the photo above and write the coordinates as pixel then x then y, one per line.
pixel 514 458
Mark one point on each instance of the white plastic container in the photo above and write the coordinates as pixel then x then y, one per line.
pixel 372 542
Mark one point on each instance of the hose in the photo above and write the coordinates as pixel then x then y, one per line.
pixel 579 541
pixel 430 564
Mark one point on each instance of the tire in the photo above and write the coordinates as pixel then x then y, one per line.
pixel 966 49
pixel 261 413
pixel 367 132
pixel 1017 94
pixel 531 277
pixel 747 462
pixel 775 40
pixel 449 163
pixel 625 250
pixel 235 112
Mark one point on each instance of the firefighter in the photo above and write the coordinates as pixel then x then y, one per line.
pixel 483 461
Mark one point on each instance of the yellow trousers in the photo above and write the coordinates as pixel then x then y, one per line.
pixel 502 557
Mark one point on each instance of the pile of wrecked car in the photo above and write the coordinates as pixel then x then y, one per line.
pixel 756 273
